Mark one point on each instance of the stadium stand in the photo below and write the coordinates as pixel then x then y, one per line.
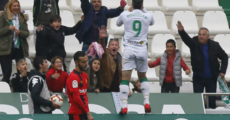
pixel 223 40
pixel 175 5
pixel 216 22
pixel 188 19
pixel 63 5
pixel 227 75
pixel 201 5
pixel 187 87
pixel 185 52
pixel 75 5
pixel 4 87
pixel 155 87
pixel 26 4
pixel 71 65
pixel 158 44
pixel 111 4
pixel 116 31
pixel 30 23
pixel 152 5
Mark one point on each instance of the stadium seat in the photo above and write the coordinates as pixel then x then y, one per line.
pixel 187 87
pixel 75 5
pixel 158 44
pixel 175 5
pixel 155 87
pixel 227 74
pixel 67 18
pixel 116 31
pixel 223 40
pixel 14 67
pixel 216 22
pixel 205 5
pixel 151 5
pixel 71 65
pixel 185 51
pixel 112 4
pixel 4 87
pixel 26 4
pixel 188 19
pixel 30 22
pixel 63 5
pixel 160 24
pixel 31 47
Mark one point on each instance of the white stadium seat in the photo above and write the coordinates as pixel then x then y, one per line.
pixel 116 31
pixel 188 19
pixel 26 4
pixel 187 87
pixel 155 87
pixel 75 5
pixel 121 41
pixel 71 65
pixel 31 47
pixel 152 5
pixel 4 87
pixel 185 51
pixel 158 44
pixel 63 5
pixel 205 5
pixel 175 5
pixel 112 4
pixel 30 22
pixel 227 75
pixel 223 40
pixel 160 24
pixel 216 22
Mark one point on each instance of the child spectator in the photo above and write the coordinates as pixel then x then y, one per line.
pixel 50 40
pixel 19 80
pixel 93 72
pixel 170 68
pixel 55 77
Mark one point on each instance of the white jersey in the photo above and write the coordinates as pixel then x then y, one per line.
pixel 136 25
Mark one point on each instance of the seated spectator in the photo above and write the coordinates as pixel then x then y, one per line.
pixel 50 40
pixel 93 72
pixel 110 64
pixel 13 34
pixel 55 77
pixel 19 80
pixel 3 3
pixel 96 15
pixel 170 68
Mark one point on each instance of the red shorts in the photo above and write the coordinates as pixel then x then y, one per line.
pixel 77 117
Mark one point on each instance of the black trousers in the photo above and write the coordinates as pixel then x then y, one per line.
pixel 166 87
pixel 78 117
pixel 6 62
pixel 210 87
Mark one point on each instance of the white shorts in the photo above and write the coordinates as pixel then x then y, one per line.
pixel 135 60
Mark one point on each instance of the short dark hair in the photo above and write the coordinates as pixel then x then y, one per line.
pixel 55 18
pixel 171 41
pixel 78 54
pixel 20 61
pixel 137 4
pixel 38 60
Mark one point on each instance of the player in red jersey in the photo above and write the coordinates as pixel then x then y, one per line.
pixel 77 89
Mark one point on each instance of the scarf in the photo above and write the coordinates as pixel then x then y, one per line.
pixel 15 22
pixel 224 89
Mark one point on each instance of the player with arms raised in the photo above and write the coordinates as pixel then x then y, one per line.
pixel 135 55
pixel 77 84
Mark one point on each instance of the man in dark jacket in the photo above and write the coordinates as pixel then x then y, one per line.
pixel 204 59
pixel 38 92
pixel 2 4
pixel 50 40
pixel 95 16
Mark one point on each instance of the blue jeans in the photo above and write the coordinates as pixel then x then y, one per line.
pixel 210 87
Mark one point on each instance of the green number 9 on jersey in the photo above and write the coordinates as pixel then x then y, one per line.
pixel 137 27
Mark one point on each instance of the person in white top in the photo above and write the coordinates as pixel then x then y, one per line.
pixel 136 23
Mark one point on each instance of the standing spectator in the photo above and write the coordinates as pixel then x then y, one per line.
pixel 20 79
pixel 50 40
pixel 110 64
pixel 204 59
pixel 95 15
pixel 2 4
pixel 43 10
pixel 94 75
pixel 55 77
pixel 13 34
pixel 170 68
pixel 38 92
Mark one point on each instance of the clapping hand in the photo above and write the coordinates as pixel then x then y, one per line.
pixel 40 27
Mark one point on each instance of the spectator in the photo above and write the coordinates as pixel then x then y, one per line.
pixel 170 68
pixel 95 15
pixel 38 92
pixel 55 77
pixel 204 59
pixel 43 11
pixel 13 34
pixel 93 72
pixel 111 64
pixel 19 80
pixel 50 40
pixel 3 3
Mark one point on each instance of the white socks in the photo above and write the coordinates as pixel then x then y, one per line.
pixel 145 91
pixel 124 93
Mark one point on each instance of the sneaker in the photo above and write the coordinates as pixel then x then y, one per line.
pixel 123 111
pixel 147 108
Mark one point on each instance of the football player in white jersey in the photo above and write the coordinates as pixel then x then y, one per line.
pixel 135 55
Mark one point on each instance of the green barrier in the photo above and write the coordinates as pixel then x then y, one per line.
pixel 118 117
pixel 108 103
